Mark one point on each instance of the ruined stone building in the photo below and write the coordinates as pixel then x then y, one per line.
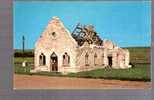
pixel 57 51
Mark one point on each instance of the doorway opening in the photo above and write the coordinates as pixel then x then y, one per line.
pixel 53 62
pixel 110 61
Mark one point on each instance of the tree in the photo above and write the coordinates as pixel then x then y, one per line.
pixel 87 33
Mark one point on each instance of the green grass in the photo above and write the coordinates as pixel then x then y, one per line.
pixel 20 59
pixel 139 56
pixel 138 73
pixel 18 69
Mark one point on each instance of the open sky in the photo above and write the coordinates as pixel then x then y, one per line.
pixel 128 24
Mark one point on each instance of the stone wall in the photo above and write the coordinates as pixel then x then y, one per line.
pixel 96 57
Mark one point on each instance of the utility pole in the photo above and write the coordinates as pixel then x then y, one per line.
pixel 23 46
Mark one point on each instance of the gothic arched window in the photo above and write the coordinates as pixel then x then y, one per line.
pixel 66 59
pixel 86 59
pixel 42 60
pixel 123 59
pixel 95 59
pixel 102 59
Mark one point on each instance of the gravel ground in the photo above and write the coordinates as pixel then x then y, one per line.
pixel 48 82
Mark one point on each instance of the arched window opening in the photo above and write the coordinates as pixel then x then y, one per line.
pixel 95 59
pixel 123 59
pixel 66 59
pixel 86 59
pixel 102 59
pixel 42 60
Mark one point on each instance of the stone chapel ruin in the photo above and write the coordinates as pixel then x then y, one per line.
pixel 57 50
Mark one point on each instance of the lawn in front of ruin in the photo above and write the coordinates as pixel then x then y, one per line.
pixel 139 72
pixel 140 57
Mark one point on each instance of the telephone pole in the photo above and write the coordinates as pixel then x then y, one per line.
pixel 23 46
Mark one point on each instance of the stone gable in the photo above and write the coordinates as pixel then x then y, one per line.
pixel 55 35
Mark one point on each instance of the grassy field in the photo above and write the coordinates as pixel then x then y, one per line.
pixel 20 59
pixel 140 54
pixel 140 57
pixel 141 72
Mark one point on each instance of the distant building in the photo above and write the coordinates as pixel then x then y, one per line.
pixel 57 51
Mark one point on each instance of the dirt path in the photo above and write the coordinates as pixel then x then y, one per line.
pixel 48 82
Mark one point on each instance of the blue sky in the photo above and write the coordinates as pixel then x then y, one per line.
pixel 128 24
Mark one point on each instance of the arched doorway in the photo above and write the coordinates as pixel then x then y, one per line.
pixel 53 62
